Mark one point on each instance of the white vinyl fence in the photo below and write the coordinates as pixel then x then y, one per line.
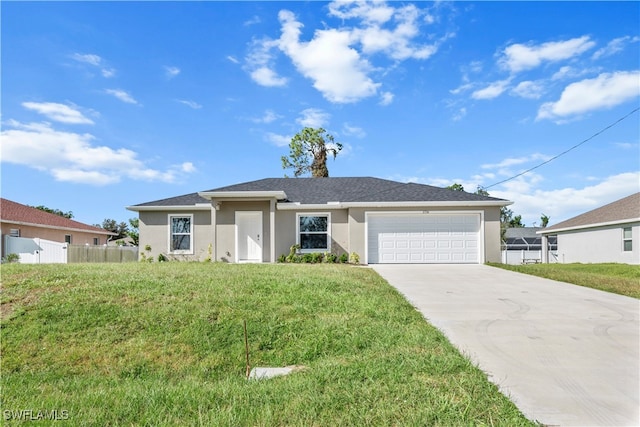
pixel 36 251
pixel 526 257
pixel 41 251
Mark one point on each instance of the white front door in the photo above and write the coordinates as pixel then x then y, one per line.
pixel 249 236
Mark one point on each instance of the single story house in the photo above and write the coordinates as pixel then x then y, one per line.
pixel 610 233
pixel 382 221
pixel 17 220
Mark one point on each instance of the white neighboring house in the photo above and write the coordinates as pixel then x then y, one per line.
pixel 610 233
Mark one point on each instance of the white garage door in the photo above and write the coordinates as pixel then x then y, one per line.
pixel 423 238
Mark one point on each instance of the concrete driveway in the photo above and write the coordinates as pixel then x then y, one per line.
pixel 564 354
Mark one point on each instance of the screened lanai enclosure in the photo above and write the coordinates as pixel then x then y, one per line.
pixel 523 246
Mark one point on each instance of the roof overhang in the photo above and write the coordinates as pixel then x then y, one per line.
pixel 243 195
pixel 423 204
pixel 55 227
pixel 587 226
pixel 280 195
pixel 196 207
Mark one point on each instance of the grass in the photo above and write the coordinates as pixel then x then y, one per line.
pixel 620 279
pixel 163 344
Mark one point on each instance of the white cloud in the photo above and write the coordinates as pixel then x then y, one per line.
pixel 356 131
pixel 313 118
pixel 255 19
pixel 462 88
pixel 625 145
pixel 267 77
pixel 269 116
pixel 337 70
pixel 513 161
pixel 494 90
pixel 370 12
pixel 568 72
pixel 187 167
pixel 564 203
pixel 615 46
pixel 386 98
pixel 83 177
pixel 96 61
pixel 259 63
pixel 189 103
pixel 74 157
pixel 88 58
pixel 278 140
pixel 108 72
pixel 171 72
pixel 395 43
pixel 122 95
pixel 233 59
pixel 605 91
pixel 58 112
pixel 337 60
pixel 519 57
pixel 528 89
pixel 459 114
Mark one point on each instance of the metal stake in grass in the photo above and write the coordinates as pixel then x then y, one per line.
pixel 246 348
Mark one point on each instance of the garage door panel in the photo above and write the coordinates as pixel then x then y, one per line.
pixel 423 238
pixel 458 244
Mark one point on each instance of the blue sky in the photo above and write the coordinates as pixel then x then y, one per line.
pixel 110 104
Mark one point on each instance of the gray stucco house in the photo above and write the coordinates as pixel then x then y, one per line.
pixel 382 221
pixel 610 233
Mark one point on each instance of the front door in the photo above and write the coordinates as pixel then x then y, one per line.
pixel 249 236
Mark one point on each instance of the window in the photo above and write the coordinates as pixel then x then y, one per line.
pixel 180 232
pixel 14 232
pixel 96 241
pixel 313 232
pixel 67 238
pixel 627 241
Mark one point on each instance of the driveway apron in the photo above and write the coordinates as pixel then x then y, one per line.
pixel 564 354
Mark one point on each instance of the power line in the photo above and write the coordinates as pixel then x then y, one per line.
pixel 566 151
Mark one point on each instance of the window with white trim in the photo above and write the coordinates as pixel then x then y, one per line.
pixel 14 232
pixel 627 240
pixel 313 232
pixel 67 238
pixel 181 234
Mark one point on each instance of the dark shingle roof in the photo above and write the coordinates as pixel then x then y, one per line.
pixel 184 200
pixel 16 213
pixel 521 232
pixel 621 210
pixel 339 189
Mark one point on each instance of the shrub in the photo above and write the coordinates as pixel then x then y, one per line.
pixel 209 253
pixel 162 258
pixel 292 254
pixel 330 258
pixel 344 258
pixel 13 258
pixel 354 258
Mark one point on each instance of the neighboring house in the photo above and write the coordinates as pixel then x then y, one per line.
pixel 18 220
pixel 522 245
pixel 610 233
pixel 382 221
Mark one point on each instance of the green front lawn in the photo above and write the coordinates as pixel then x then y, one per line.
pixel 163 344
pixel 620 279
